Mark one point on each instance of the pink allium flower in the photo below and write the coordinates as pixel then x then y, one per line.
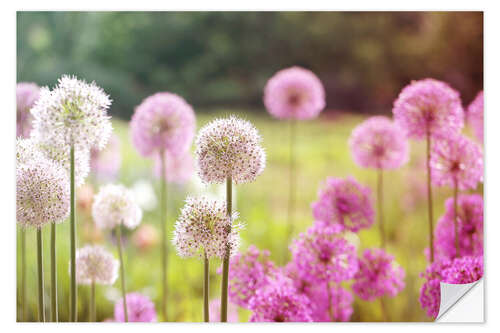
pixel 279 302
pixel 178 168
pixel 378 275
pixel 458 160
pixel 115 205
pixel 428 106
pixel 294 92
pixel 232 311
pixel 470 227
pixel 202 229
pixel 95 264
pixel 475 116
pixel 163 121
pixel 464 270
pixel 379 143
pixel 322 255
pixel 26 95
pixel 139 309
pixel 346 202
pixel 249 272
pixel 106 163
pixel 229 147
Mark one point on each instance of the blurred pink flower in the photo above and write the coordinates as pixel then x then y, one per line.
pixel 105 163
pixel 428 106
pixel 378 275
pixel 455 159
pixel 294 92
pixel 379 143
pixel 163 121
pixel 178 168
pixel 146 237
pixel 475 114
pixel 26 95
pixel 232 311
pixel 346 202
pixel 139 309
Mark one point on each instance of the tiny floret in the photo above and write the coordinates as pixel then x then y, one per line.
pixel 96 265
pixel 115 205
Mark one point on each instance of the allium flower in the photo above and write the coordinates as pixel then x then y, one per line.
pixel 95 264
pixel 379 143
pixel 378 275
pixel 279 302
pixel 229 148
pixel 475 115
pixel 115 205
pixel 139 309
pixel 73 113
pixel 202 229
pixel 42 194
pixel 249 272
pixel 232 311
pixel 294 92
pixel 26 96
pixel 322 255
pixel 346 202
pixel 163 121
pixel 428 106
pixel 458 160
pixel 27 152
pixel 178 168
pixel 470 227
pixel 106 163
pixel 464 270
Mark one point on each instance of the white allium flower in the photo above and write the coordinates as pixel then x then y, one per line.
pixel 27 151
pixel 203 227
pixel 115 204
pixel 95 264
pixel 42 193
pixel 73 113
pixel 229 147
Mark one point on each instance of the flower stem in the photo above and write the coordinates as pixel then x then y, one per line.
pixel 225 263
pixel 39 247
pixel 23 273
pixel 72 228
pixel 380 202
pixel 206 316
pixel 53 274
pixel 455 219
pixel 122 270
pixel 291 181
pixel 163 224
pixel 330 308
pixel 385 314
pixel 429 196
pixel 92 317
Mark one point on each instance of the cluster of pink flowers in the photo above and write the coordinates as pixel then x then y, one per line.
pixel 27 94
pixel 475 114
pixel 139 309
pixel 346 202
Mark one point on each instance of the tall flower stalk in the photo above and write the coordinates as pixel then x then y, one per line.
pixel 164 247
pixel 380 204
pixel 72 234
pixel 53 275
pixel 291 180
pixel 225 262
pixel 39 260
pixel 122 270
pixel 206 287
pixel 23 274
pixel 429 196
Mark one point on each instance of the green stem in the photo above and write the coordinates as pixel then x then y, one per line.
pixel 163 224
pixel 291 180
pixel 72 228
pixel 122 270
pixel 53 274
pixel 92 316
pixel 23 274
pixel 39 247
pixel 455 219
pixel 225 263
pixel 380 202
pixel 429 197
pixel 206 316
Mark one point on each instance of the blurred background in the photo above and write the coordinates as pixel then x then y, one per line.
pixel 220 62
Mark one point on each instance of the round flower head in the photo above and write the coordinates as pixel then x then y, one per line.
pixel 115 205
pixel 470 227
pixel 379 143
pixel 202 229
pixel 294 92
pixel 475 116
pixel 95 264
pixel 279 302
pixel 229 148
pixel 178 168
pixel 74 113
pixel 378 275
pixel 139 309
pixel 249 272
pixel 42 193
pixel 346 202
pixel 456 160
pixel 232 311
pixel 163 121
pixel 428 106
pixel 322 255
pixel 106 163
pixel 26 96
